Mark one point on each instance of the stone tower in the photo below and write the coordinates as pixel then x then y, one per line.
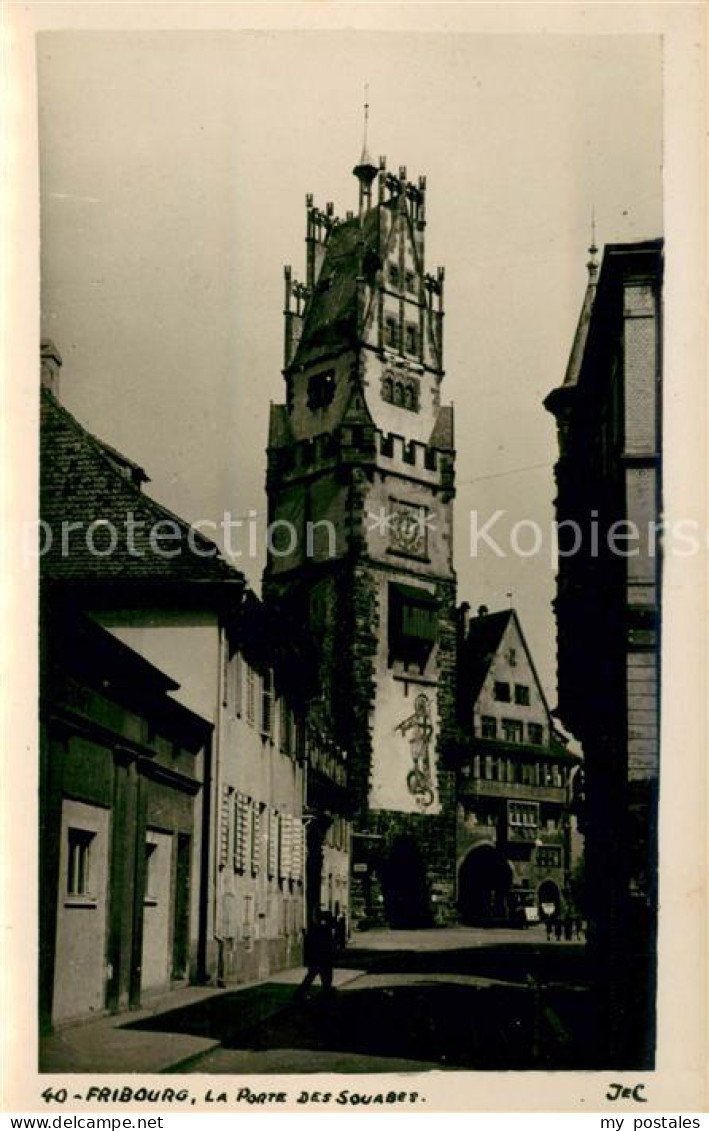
pixel 360 486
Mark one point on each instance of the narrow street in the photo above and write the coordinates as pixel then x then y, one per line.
pixel 462 998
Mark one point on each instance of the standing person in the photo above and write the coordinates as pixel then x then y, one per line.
pixel 340 929
pixel 557 926
pixel 578 925
pixel 319 954
pixel 568 926
pixel 549 926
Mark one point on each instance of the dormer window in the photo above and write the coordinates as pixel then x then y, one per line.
pixel 321 390
pixel 393 275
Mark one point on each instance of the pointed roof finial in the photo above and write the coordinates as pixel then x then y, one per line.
pixel 593 250
pixel 365 159
pixel 365 170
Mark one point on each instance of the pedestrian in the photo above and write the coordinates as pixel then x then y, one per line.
pixel 319 954
pixel 549 926
pixel 557 927
pixel 340 929
pixel 568 927
pixel 579 926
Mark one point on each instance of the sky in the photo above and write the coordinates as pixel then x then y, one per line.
pixel 173 173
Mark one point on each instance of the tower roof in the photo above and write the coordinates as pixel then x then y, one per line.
pixel 366 170
pixel 573 367
pixel 331 312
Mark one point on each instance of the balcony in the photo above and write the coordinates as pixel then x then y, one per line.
pixel 514 791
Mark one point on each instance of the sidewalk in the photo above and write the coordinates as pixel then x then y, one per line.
pixel 130 1042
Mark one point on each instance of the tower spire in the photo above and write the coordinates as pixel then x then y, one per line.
pixel 365 171
pixel 365 158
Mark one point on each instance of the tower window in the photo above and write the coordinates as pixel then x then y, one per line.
pixel 321 390
pixel 412 339
pixel 410 282
pixel 393 275
pixel 403 394
pixel 391 333
pixel 413 623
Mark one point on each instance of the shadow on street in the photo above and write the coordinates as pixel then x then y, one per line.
pixel 540 1024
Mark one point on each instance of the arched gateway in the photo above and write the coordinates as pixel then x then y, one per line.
pixel 484 881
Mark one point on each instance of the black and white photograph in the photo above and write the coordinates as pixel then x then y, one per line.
pixel 358 506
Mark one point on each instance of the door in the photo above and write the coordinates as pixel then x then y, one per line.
pixel 156 960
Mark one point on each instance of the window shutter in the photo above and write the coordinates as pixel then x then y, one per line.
pixel 272 843
pixel 250 694
pixel 241 832
pixel 267 702
pixel 255 837
pixel 297 850
pixel 284 866
pixel 238 683
pixel 224 823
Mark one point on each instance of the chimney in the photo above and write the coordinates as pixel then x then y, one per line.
pixel 482 611
pixel 51 364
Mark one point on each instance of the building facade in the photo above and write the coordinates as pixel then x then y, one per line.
pixel 515 780
pixel 360 485
pixel 164 591
pixel 608 414
pixel 122 808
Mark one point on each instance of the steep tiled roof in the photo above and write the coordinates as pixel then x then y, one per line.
pixel 479 648
pixel 331 313
pixel 81 483
pixel 442 435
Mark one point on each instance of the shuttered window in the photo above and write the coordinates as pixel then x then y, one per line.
pixel 250 695
pixel 224 825
pixel 242 831
pixel 255 837
pixel 267 703
pixel 272 843
pixel 286 841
